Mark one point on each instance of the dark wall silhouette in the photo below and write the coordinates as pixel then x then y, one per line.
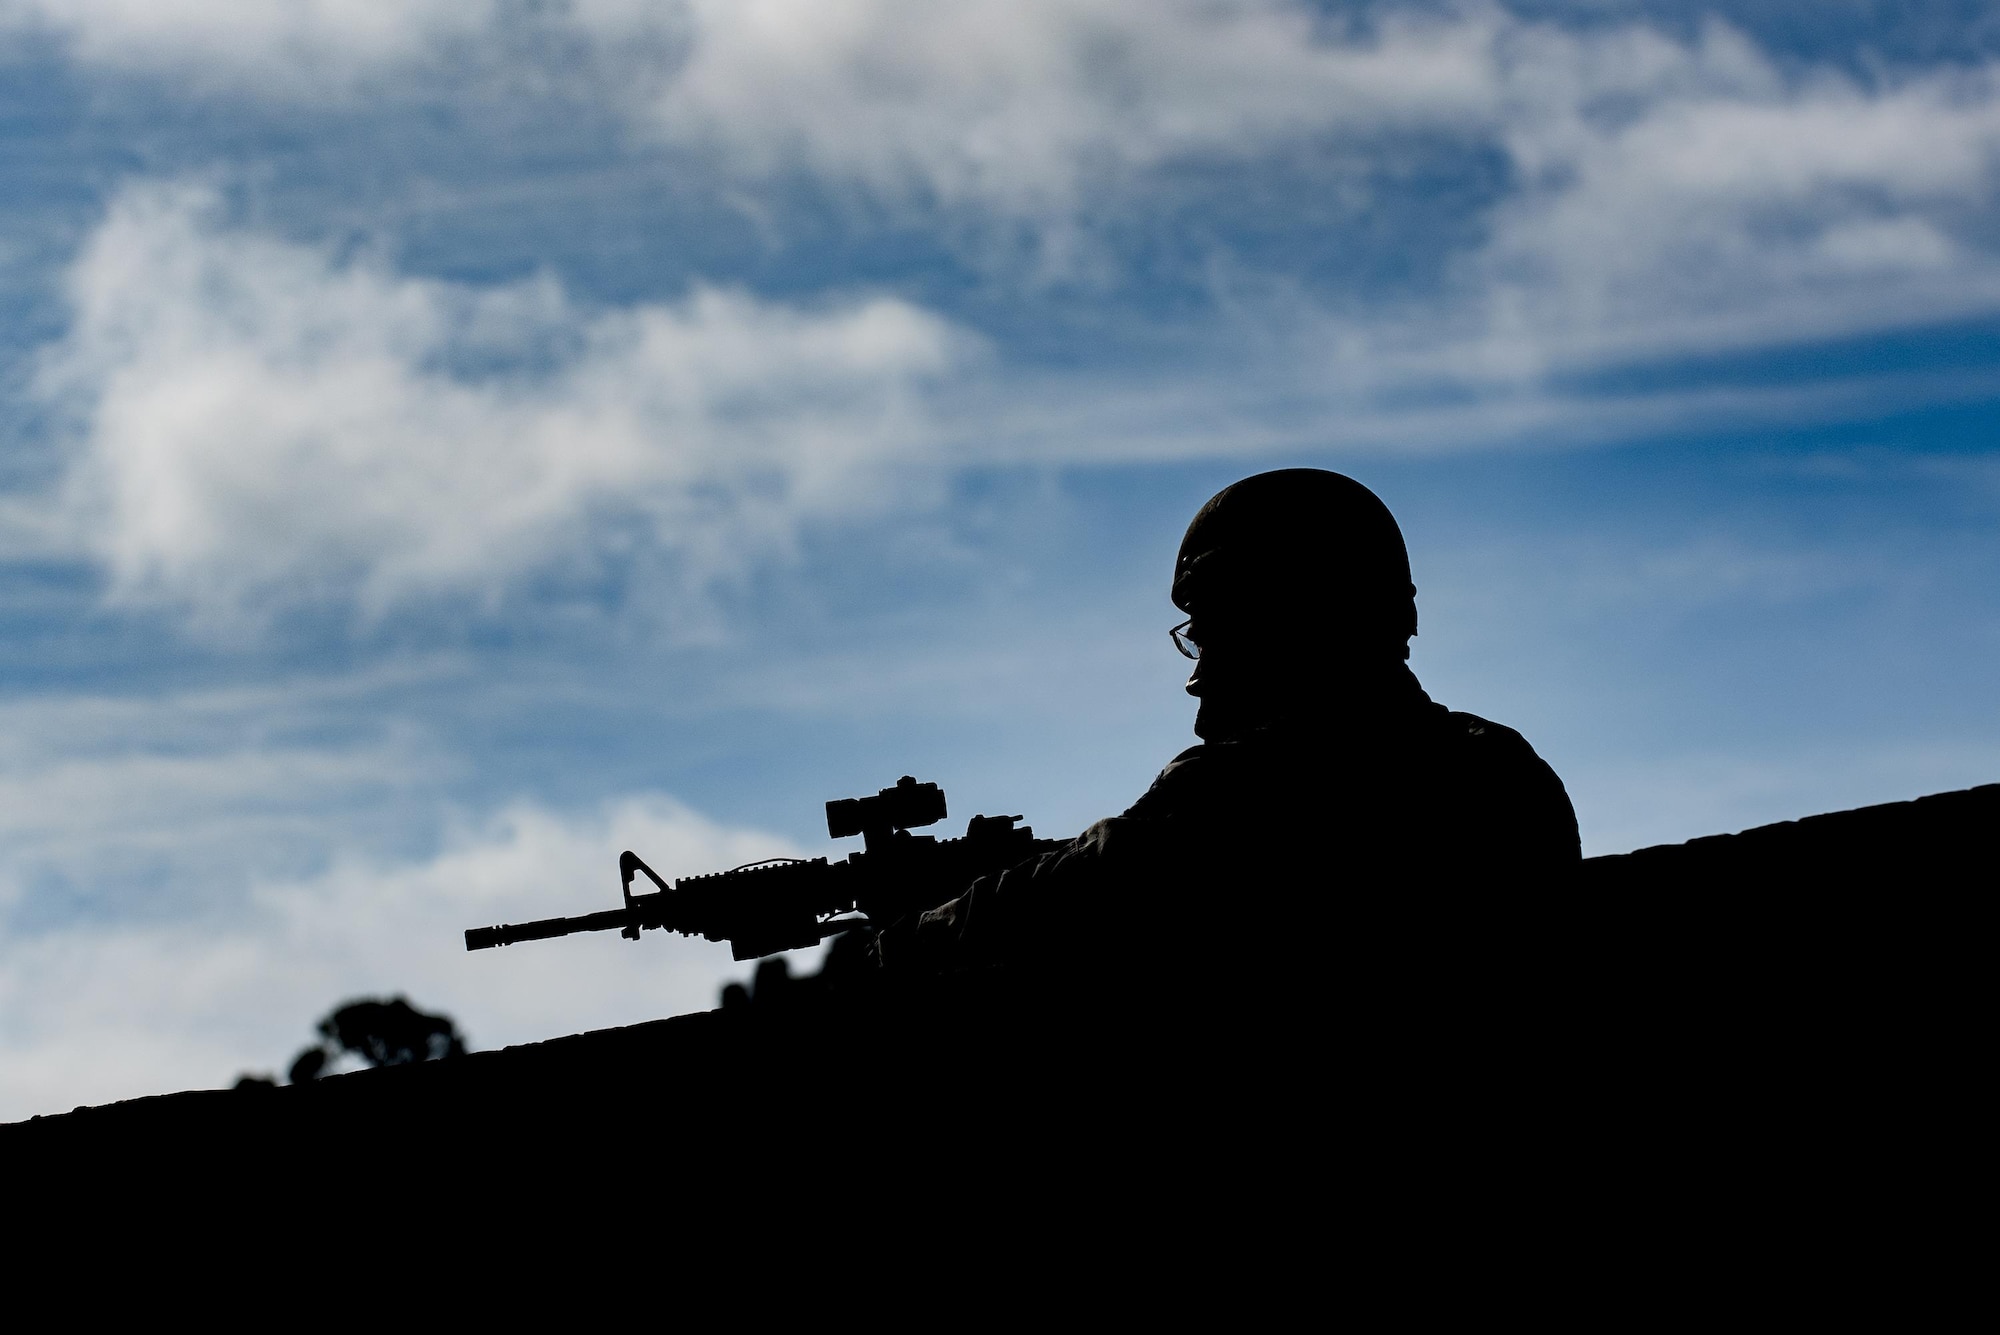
pixel 1695 1040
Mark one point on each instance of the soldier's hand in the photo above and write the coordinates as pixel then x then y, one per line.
pixel 923 943
pixel 892 944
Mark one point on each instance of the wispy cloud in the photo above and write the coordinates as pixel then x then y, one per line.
pixel 1653 196
pixel 1036 109
pixel 166 802
pixel 1661 195
pixel 306 47
pixel 257 423
pixel 101 1011
pixel 1693 198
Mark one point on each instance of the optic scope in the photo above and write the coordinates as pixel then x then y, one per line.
pixel 907 806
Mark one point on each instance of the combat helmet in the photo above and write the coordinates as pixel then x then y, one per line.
pixel 1299 542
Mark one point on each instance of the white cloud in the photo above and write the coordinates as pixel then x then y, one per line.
pixel 1033 106
pixel 96 1012
pixel 1665 196
pixel 290 48
pixel 260 423
pixel 1694 198
pixel 1633 151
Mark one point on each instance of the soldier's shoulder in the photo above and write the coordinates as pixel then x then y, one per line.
pixel 1184 776
pixel 1484 736
pixel 1191 766
pixel 1521 797
pixel 1493 749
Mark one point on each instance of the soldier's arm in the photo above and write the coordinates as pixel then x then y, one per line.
pixel 1070 894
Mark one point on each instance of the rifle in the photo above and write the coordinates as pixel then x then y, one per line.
pixel 784 903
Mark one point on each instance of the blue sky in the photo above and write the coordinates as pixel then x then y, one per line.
pixel 447 443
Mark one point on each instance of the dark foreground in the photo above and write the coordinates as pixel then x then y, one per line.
pixel 1738 1043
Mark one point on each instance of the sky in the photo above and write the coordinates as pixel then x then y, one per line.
pixel 444 443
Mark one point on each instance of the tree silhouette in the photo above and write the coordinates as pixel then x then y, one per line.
pixel 379 1032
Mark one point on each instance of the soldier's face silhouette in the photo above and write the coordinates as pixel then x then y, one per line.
pixel 1250 652
pixel 1264 658
pixel 1246 676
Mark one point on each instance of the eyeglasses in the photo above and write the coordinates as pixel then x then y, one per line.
pixel 1185 641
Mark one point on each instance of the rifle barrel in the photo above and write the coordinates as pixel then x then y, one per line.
pixel 506 934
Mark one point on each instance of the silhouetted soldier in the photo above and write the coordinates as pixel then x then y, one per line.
pixel 1332 811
